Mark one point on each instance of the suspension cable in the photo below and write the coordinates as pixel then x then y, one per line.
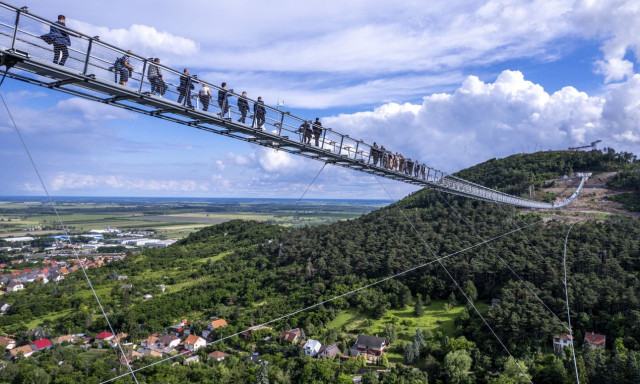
pixel 66 232
pixel 566 291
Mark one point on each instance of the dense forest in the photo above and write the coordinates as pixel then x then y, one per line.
pixel 468 253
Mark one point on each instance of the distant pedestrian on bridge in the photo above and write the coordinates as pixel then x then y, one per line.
pixel 375 154
pixel 243 106
pixel 260 112
pixel 122 67
pixel 205 96
pixel 60 40
pixel 317 131
pixel 185 87
pixel 154 74
pixel 223 100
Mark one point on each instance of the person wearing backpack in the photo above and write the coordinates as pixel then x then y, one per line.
pixel 60 40
pixel 123 67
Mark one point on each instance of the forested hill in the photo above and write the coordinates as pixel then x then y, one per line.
pixel 249 273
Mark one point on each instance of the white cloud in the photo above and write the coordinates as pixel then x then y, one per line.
pixel 482 120
pixel 64 181
pixel 141 39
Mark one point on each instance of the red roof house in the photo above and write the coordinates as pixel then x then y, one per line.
pixel 595 340
pixel 104 336
pixel 41 344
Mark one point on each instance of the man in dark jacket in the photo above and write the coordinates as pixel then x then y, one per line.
pixel 243 106
pixel 260 112
pixel 305 132
pixel 223 100
pixel 154 74
pixel 317 131
pixel 375 153
pixel 60 40
pixel 185 87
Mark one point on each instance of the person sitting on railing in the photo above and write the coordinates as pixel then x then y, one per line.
pixel 123 67
pixel 243 106
pixel 223 100
pixel 260 112
pixel 375 153
pixel 60 40
pixel 205 96
pixel 317 131
pixel 185 87
pixel 155 78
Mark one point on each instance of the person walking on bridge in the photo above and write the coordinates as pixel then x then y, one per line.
pixel 223 100
pixel 374 153
pixel 60 40
pixel 185 87
pixel 243 106
pixel 154 74
pixel 317 131
pixel 260 112
pixel 205 96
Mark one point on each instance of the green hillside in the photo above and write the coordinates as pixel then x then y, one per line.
pixel 250 273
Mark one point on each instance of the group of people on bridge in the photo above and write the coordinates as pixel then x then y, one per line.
pixel 122 68
pixel 397 162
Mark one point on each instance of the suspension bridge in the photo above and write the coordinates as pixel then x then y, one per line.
pixel 88 73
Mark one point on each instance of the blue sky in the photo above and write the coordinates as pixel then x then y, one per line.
pixel 452 83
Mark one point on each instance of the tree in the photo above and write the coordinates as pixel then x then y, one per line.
pixel 470 290
pixel 418 310
pixel 262 377
pixel 456 367
pixel 452 300
pixel 409 354
pixel 383 361
pixel 391 333
pixel 371 377
pixel 418 338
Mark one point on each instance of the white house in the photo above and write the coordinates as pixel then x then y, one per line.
pixel 194 342
pixel 15 286
pixel 4 308
pixel 561 341
pixel 312 347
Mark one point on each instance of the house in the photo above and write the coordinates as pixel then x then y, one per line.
pixel 131 356
pixel 194 342
pixel 4 308
pixel 254 358
pixel 369 345
pixel 25 349
pixel 217 324
pixel 191 360
pixel 15 286
pixel 149 341
pixel 178 329
pixel 292 335
pixel 219 356
pixel 562 340
pixel 147 297
pixel 7 342
pixel 127 286
pixel 329 352
pixel 41 344
pixel 117 339
pixel 595 340
pixel 56 276
pixel 168 341
pixel 311 347
pixel 62 339
pixel 104 336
